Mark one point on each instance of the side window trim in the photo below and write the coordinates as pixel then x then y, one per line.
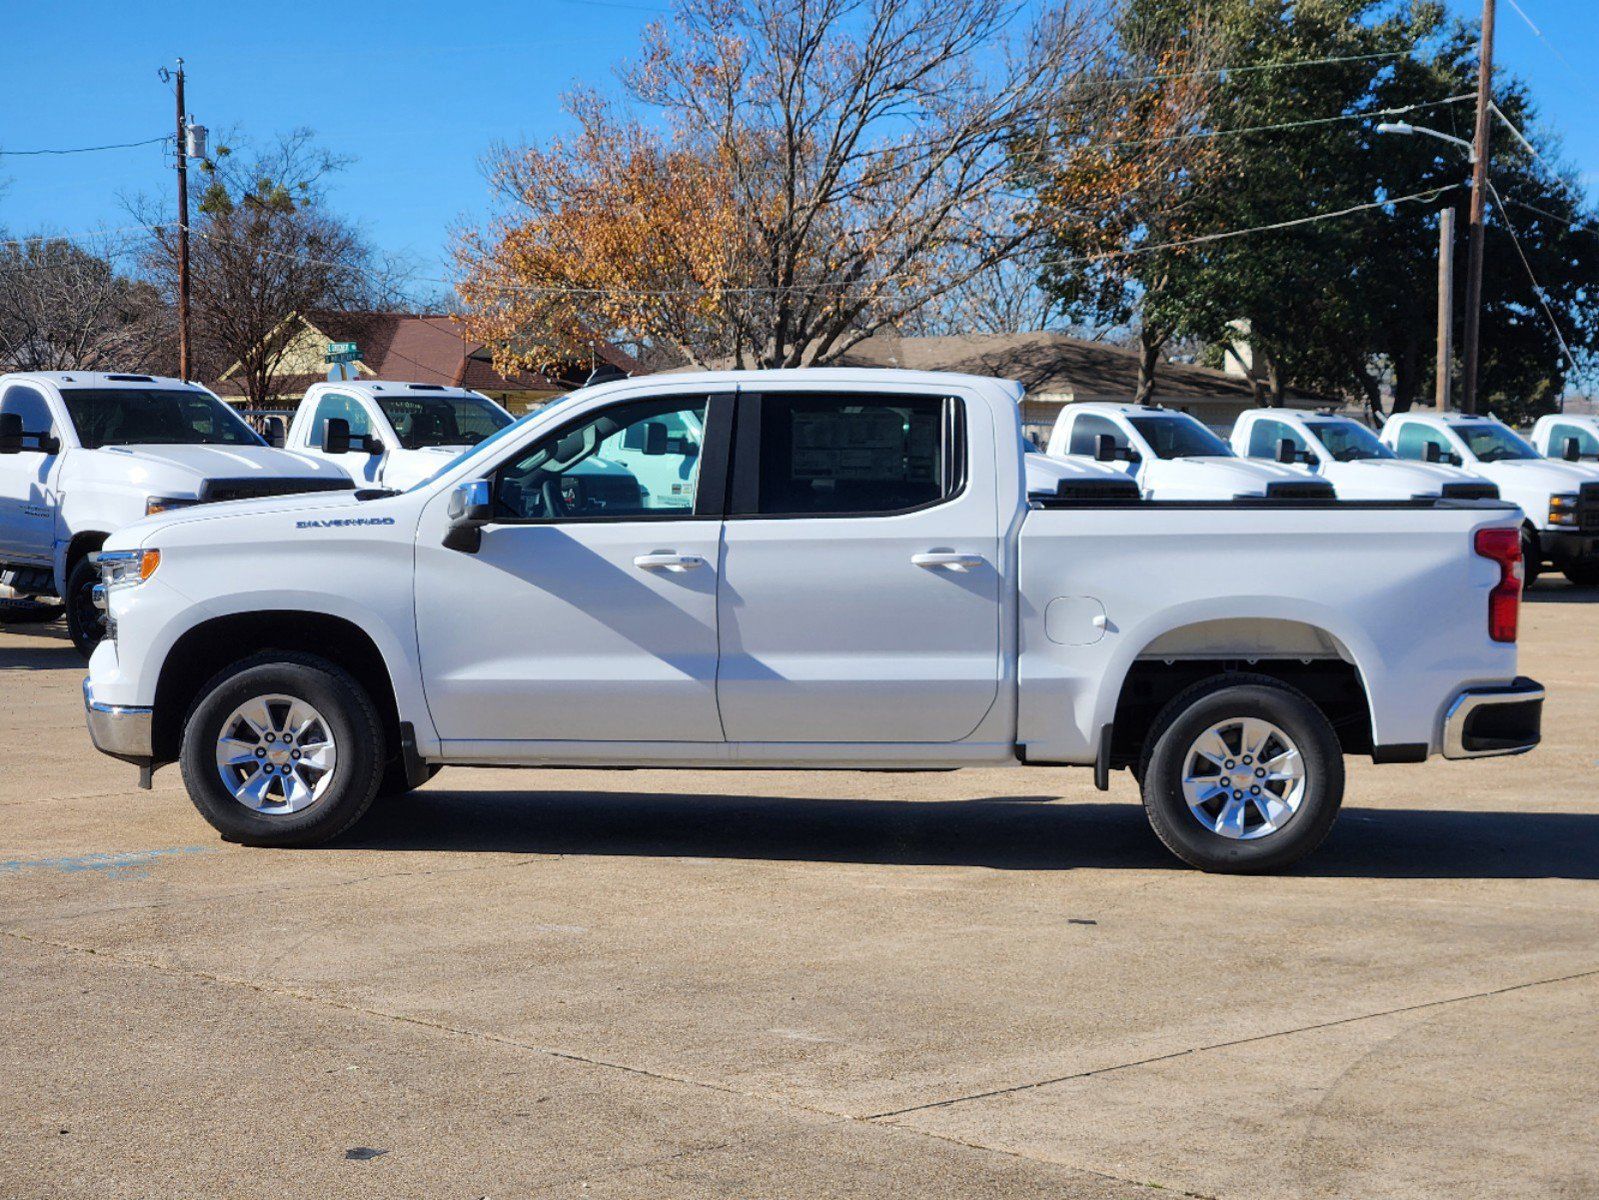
pixel 744 488
pixel 710 499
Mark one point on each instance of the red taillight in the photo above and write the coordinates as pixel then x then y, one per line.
pixel 1504 602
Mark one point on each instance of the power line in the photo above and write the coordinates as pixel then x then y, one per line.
pixel 1360 116
pixel 1537 288
pixel 86 149
pixel 1280 64
pixel 1550 46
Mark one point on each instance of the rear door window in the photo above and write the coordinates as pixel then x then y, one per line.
pixel 847 455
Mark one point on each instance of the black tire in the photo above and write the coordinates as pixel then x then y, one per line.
pixel 28 612
pixel 352 723
pixel 84 622
pixel 1582 574
pixel 393 782
pixel 1531 557
pixel 1213 702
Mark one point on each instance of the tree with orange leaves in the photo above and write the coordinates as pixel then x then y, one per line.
pixel 823 169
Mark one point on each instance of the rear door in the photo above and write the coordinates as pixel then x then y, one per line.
pixel 860 593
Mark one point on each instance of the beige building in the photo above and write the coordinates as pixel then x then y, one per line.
pixel 416 348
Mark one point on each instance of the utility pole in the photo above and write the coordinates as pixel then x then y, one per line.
pixel 1479 189
pixel 182 148
pixel 1446 305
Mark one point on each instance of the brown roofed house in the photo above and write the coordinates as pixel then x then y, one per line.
pixel 416 348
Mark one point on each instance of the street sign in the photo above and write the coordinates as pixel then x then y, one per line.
pixel 342 348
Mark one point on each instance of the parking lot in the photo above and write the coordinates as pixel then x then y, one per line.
pixel 773 983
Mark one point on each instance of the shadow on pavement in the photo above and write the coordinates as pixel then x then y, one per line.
pixel 40 650
pixel 1002 832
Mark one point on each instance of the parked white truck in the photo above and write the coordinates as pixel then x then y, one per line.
pixel 1560 500
pixel 82 454
pixel 1171 455
pixel 1570 438
pixel 1349 456
pixel 858 581
pixel 391 434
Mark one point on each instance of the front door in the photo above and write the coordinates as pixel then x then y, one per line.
pixel 589 611
pixel 860 591
pixel 27 512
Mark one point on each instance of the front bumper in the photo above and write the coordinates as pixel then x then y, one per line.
pixel 120 730
pixel 1483 722
pixel 1561 546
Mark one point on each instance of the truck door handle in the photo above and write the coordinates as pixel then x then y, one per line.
pixel 953 562
pixel 668 562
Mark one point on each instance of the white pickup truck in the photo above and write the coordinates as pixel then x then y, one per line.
pixel 1570 438
pixel 1350 457
pixel 391 434
pixel 82 454
pixel 1560 499
pixel 859 580
pixel 1171 455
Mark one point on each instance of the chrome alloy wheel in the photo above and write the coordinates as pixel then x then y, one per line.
pixel 1243 778
pixel 276 754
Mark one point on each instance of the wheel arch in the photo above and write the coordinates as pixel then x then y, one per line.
pixel 1303 655
pixel 215 644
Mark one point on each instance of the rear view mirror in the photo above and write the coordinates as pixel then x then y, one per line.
pixel 274 432
pixel 1433 452
pixel 1285 451
pixel 1571 450
pixel 335 436
pixel 1104 447
pixel 471 508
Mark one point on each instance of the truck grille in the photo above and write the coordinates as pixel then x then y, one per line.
pixel 1588 508
pixel 254 489
pixel 1470 491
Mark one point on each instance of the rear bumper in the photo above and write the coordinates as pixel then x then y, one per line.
pixel 122 731
pixel 1483 722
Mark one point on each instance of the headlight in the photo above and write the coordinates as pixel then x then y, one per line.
pixel 161 504
pixel 124 568
pixel 1563 509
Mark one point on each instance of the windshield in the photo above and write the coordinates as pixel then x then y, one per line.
pixel 421 421
pixel 154 417
pixel 1180 437
pixel 1491 442
pixel 1348 441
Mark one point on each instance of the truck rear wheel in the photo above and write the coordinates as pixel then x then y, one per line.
pixel 1242 774
pixel 282 750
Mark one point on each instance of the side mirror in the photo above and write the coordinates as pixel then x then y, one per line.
pixel 275 433
pixel 1433 452
pixel 335 436
pixel 471 508
pixel 654 438
pixel 1285 451
pixel 1571 450
pixel 12 437
pixel 1104 447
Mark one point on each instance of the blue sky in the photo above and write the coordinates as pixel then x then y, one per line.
pixel 417 91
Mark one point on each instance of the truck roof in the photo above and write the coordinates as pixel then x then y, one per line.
pixel 1444 418
pixel 100 379
pixel 395 387
pixel 1127 410
pixel 854 376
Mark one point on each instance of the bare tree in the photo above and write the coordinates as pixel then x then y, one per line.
pixel 264 248
pixel 830 167
pixel 63 307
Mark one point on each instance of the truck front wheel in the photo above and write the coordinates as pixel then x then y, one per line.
pixel 1242 774
pixel 1583 574
pixel 282 749
pixel 85 625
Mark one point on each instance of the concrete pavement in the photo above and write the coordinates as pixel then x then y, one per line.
pixel 788 984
